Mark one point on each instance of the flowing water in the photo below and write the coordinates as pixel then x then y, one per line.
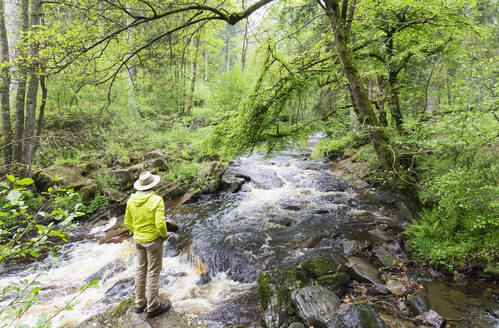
pixel 292 209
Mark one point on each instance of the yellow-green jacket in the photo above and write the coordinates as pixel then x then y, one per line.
pixel 145 216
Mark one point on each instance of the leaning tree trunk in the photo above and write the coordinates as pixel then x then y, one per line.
pixel 32 94
pixel 5 88
pixel 359 93
pixel 21 84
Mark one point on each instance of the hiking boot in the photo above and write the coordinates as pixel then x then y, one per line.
pixel 160 310
pixel 139 309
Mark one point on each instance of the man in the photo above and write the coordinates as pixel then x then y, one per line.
pixel 145 218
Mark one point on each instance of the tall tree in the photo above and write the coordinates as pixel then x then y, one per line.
pixel 32 93
pixel 5 88
pixel 21 63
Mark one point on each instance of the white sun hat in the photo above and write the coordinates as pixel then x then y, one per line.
pixel 146 181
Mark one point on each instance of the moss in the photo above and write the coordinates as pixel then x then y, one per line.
pixel 337 282
pixel 320 266
pixel 279 283
pixel 122 308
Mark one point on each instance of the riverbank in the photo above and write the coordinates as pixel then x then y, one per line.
pixel 280 213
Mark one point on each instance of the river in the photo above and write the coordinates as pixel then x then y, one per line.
pixel 293 208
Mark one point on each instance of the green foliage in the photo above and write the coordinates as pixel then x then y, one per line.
pixel 459 179
pixel 184 172
pixel 26 231
pixel 96 203
pixel 31 231
pixel 228 93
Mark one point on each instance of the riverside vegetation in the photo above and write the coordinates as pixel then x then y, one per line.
pixel 92 93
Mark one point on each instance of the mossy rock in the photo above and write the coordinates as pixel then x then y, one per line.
pixel 320 266
pixel 275 288
pixel 337 282
pixel 123 316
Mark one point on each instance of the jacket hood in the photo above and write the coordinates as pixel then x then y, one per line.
pixel 140 198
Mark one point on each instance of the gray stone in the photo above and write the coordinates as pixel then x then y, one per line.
pixel 358 316
pixel 433 318
pixel 385 236
pixel 155 154
pixel 232 186
pixel 296 325
pixel 395 287
pixel 387 258
pixel 210 187
pixel 316 304
pixel 354 247
pixel 364 272
pixel 418 303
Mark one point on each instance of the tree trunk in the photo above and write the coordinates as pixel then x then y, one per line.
pixel 32 94
pixel 41 114
pixel 5 88
pixel 205 65
pixel 227 47
pixel 358 91
pixel 245 46
pixel 193 79
pixel 12 25
pixel 21 84
pixel 393 98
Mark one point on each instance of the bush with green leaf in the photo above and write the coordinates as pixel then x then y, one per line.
pixel 27 231
pixel 458 168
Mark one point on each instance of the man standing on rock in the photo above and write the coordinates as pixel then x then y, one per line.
pixel 145 218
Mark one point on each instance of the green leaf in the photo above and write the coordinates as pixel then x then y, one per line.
pixel 11 178
pixel 25 182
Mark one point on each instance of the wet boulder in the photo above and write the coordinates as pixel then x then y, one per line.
pixel 120 290
pixel 337 283
pixel 231 185
pixel 316 305
pixel 320 266
pixel 385 256
pixel 355 247
pixel 124 317
pixel 395 287
pixel 418 303
pixel 107 271
pixel 274 288
pixel 358 316
pixel 364 272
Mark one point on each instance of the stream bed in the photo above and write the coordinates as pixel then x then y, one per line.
pixel 291 208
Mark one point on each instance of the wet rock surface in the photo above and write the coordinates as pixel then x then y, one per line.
pixel 123 316
pixel 358 316
pixel 316 305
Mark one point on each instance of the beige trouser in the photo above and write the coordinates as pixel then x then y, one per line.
pixel 149 264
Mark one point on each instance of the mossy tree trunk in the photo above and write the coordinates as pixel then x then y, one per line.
pixel 365 110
